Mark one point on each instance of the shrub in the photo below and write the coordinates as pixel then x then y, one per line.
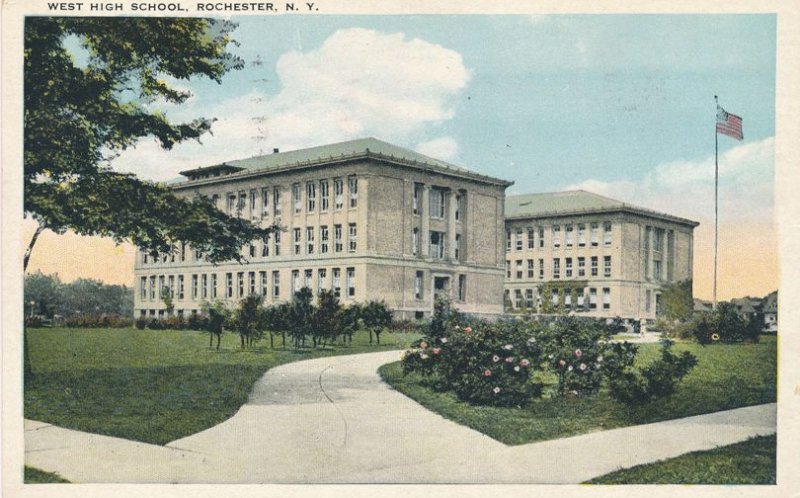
pixel 722 325
pixel 656 380
pixel 141 323
pixel 89 321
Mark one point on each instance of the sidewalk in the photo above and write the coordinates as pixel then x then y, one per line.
pixel 332 420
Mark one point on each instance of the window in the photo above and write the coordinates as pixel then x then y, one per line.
pixel 530 268
pixel 437 203
pixel 530 238
pixel 657 270
pixel 172 254
pixel 606 298
pixel 213 286
pixel 264 202
pixel 437 249
pixel 311 196
pixel 458 247
pixel 295 281
pixel 518 298
pixel 215 200
pixel 415 241
pixel 144 258
pixel 276 201
pixel 457 200
pixel 416 199
pixel 307 278
pixel 276 283
pixel 568 267
pixel 607 233
pixel 508 240
pixel 251 280
pixel 322 279
pixel 231 204
pixel 556 267
pixel 203 285
pixel 567 299
pixel 253 203
pixel 606 266
pixel 581 266
pixel 161 285
pixel 418 288
pixel 143 288
pixel 541 269
pixel 296 200
pixel 194 287
pixel 594 266
pixel 229 285
pixel 529 298
pixel 462 288
pixel 324 237
pixel 309 240
pixel 276 247
pixel 351 282
pixel 252 250
pixel 518 265
pixel 262 278
pixel 541 237
pixel 180 287
pixel 581 301
pixel 337 238
pixel 296 240
pixel 593 234
pixel 592 298
pixel 568 233
pixel 338 193
pixel 337 289
pixel 265 246
pixel 352 237
pixel 152 288
pixel 554 297
pixel 172 286
pixel 581 235
pixel 647 298
pixel 519 241
pixel 508 269
pixel 658 239
pixel 352 186
pixel 183 251
pixel 242 203
pixel 324 196
pixel 556 236
pixel 240 282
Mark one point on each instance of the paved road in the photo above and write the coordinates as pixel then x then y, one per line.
pixel 332 420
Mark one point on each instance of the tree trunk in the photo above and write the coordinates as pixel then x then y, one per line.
pixel 378 337
pixel 370 335
pixel 26 360
pixel 219 336
pixel 39 229
pixel 283 339
pixel 271 341
pixel 210 340
pixel 241 339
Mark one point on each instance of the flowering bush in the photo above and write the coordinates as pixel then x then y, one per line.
pixel 656 380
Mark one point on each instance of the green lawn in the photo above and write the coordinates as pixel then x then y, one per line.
pixel 36 476
pixel 726 376
pixel 153 386
pixel 749 462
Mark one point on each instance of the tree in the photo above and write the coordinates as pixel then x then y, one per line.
pixel 276 319
pixel 301 316
pixel 376 317
pixel 217 316
pixel 327 318
pixel 80 114
pixel 349 322
pixel 677 303
pixel 45 292
pixel 248 320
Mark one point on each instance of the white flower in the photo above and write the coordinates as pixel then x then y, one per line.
pixel 516 368
pixel 443 340
pixel 508 347
pixel 495 358
pixel 600 359
pixel 582 366
pixel 532 340
pixel 423 356
pixel 569 368
pixel 550 356
pixel 496 390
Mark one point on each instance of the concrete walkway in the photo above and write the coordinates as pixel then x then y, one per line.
pixel 332 420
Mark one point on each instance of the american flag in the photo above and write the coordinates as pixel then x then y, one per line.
pixel 729 124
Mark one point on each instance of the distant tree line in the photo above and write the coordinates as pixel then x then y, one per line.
pixel 46 297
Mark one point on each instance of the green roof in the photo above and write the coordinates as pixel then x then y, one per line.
pixel 353 149
pixel 573 202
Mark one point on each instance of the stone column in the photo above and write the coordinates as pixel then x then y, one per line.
pixel 425 222
pixel 451 225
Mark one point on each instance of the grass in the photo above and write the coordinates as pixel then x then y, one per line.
pixel 748 462
pixel 153 386
pixel 35 476
pixel 726 376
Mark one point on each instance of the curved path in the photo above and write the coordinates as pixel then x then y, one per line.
pixel 332 420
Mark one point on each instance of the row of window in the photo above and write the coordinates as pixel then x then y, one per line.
pixel 419 286
pixel 258 203
pixel 204 286
pixel 584 299
pixel 574 234
pixel 437 244
pixel 436 202
pixel 529 270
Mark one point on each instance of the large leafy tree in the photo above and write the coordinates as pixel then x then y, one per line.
pixel 80 112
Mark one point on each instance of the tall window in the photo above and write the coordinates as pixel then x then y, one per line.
pixel 568 235
pixel 172 286
pixel 264 202
pixel 541 237
pixel 568 267
pixel 276 246
pixel 262 277
pixel 322 279
pixel 324 196
pixel 276 283
pixel 309 240
pixel 194 287
pixel 518 298
pixel 418 289
pixel 337 238
pixel 242 203
pixel 276 201
pixel 213 286
pixel 581 266
pixel 143 288
pixel 437 203
pixel 657 270
pixel 416 199
pixel 541 269
pixel 231 204
pixel 203 285
pixel 229 285
pixel 351 282
pixel 508 240
pixel 594 229
pixel 251 280
pixel 296 199
pixel 519 269
pixel 530 268
pixel 152 288
pixel 352 187
pixel 658 239
pixel 606 266
pixel 458 247
pixel 415 241
pixel 556 236
pixel 336 282
pixel 437 249
pixel 240 286
pixel 508 269
pixel 265 246
pixel 296 240
pixel 556 267
pixel 338 193
pixel 594 266
pixel 308 276
pixel 530 238
pixel 462 288
pixel 324 237
pixel 295 281
pixel 458 207
pixel 592 298
pixel 581 235
pixel 519 240
pixel 607 233
pixel 606 298
pixel 311 196
pixel 352 237
pixel 253 203
pixel 252 248
pixel 180 287
pixel 529 298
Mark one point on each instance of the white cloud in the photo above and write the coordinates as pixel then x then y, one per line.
pixel 686 188
pixel 444 148
pixel 358 83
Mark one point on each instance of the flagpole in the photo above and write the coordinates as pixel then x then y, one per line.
pixel 716 206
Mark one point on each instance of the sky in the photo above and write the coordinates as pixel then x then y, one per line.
pixel 621 105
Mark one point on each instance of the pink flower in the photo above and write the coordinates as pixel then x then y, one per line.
pixel 443 340
pixel 468 330
pixel 487 373
pixel 582 366
pixel 496 390
pixel 495 358
pixel 524 362
pixel 578 353
pixel 423 344
pixel 436 350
